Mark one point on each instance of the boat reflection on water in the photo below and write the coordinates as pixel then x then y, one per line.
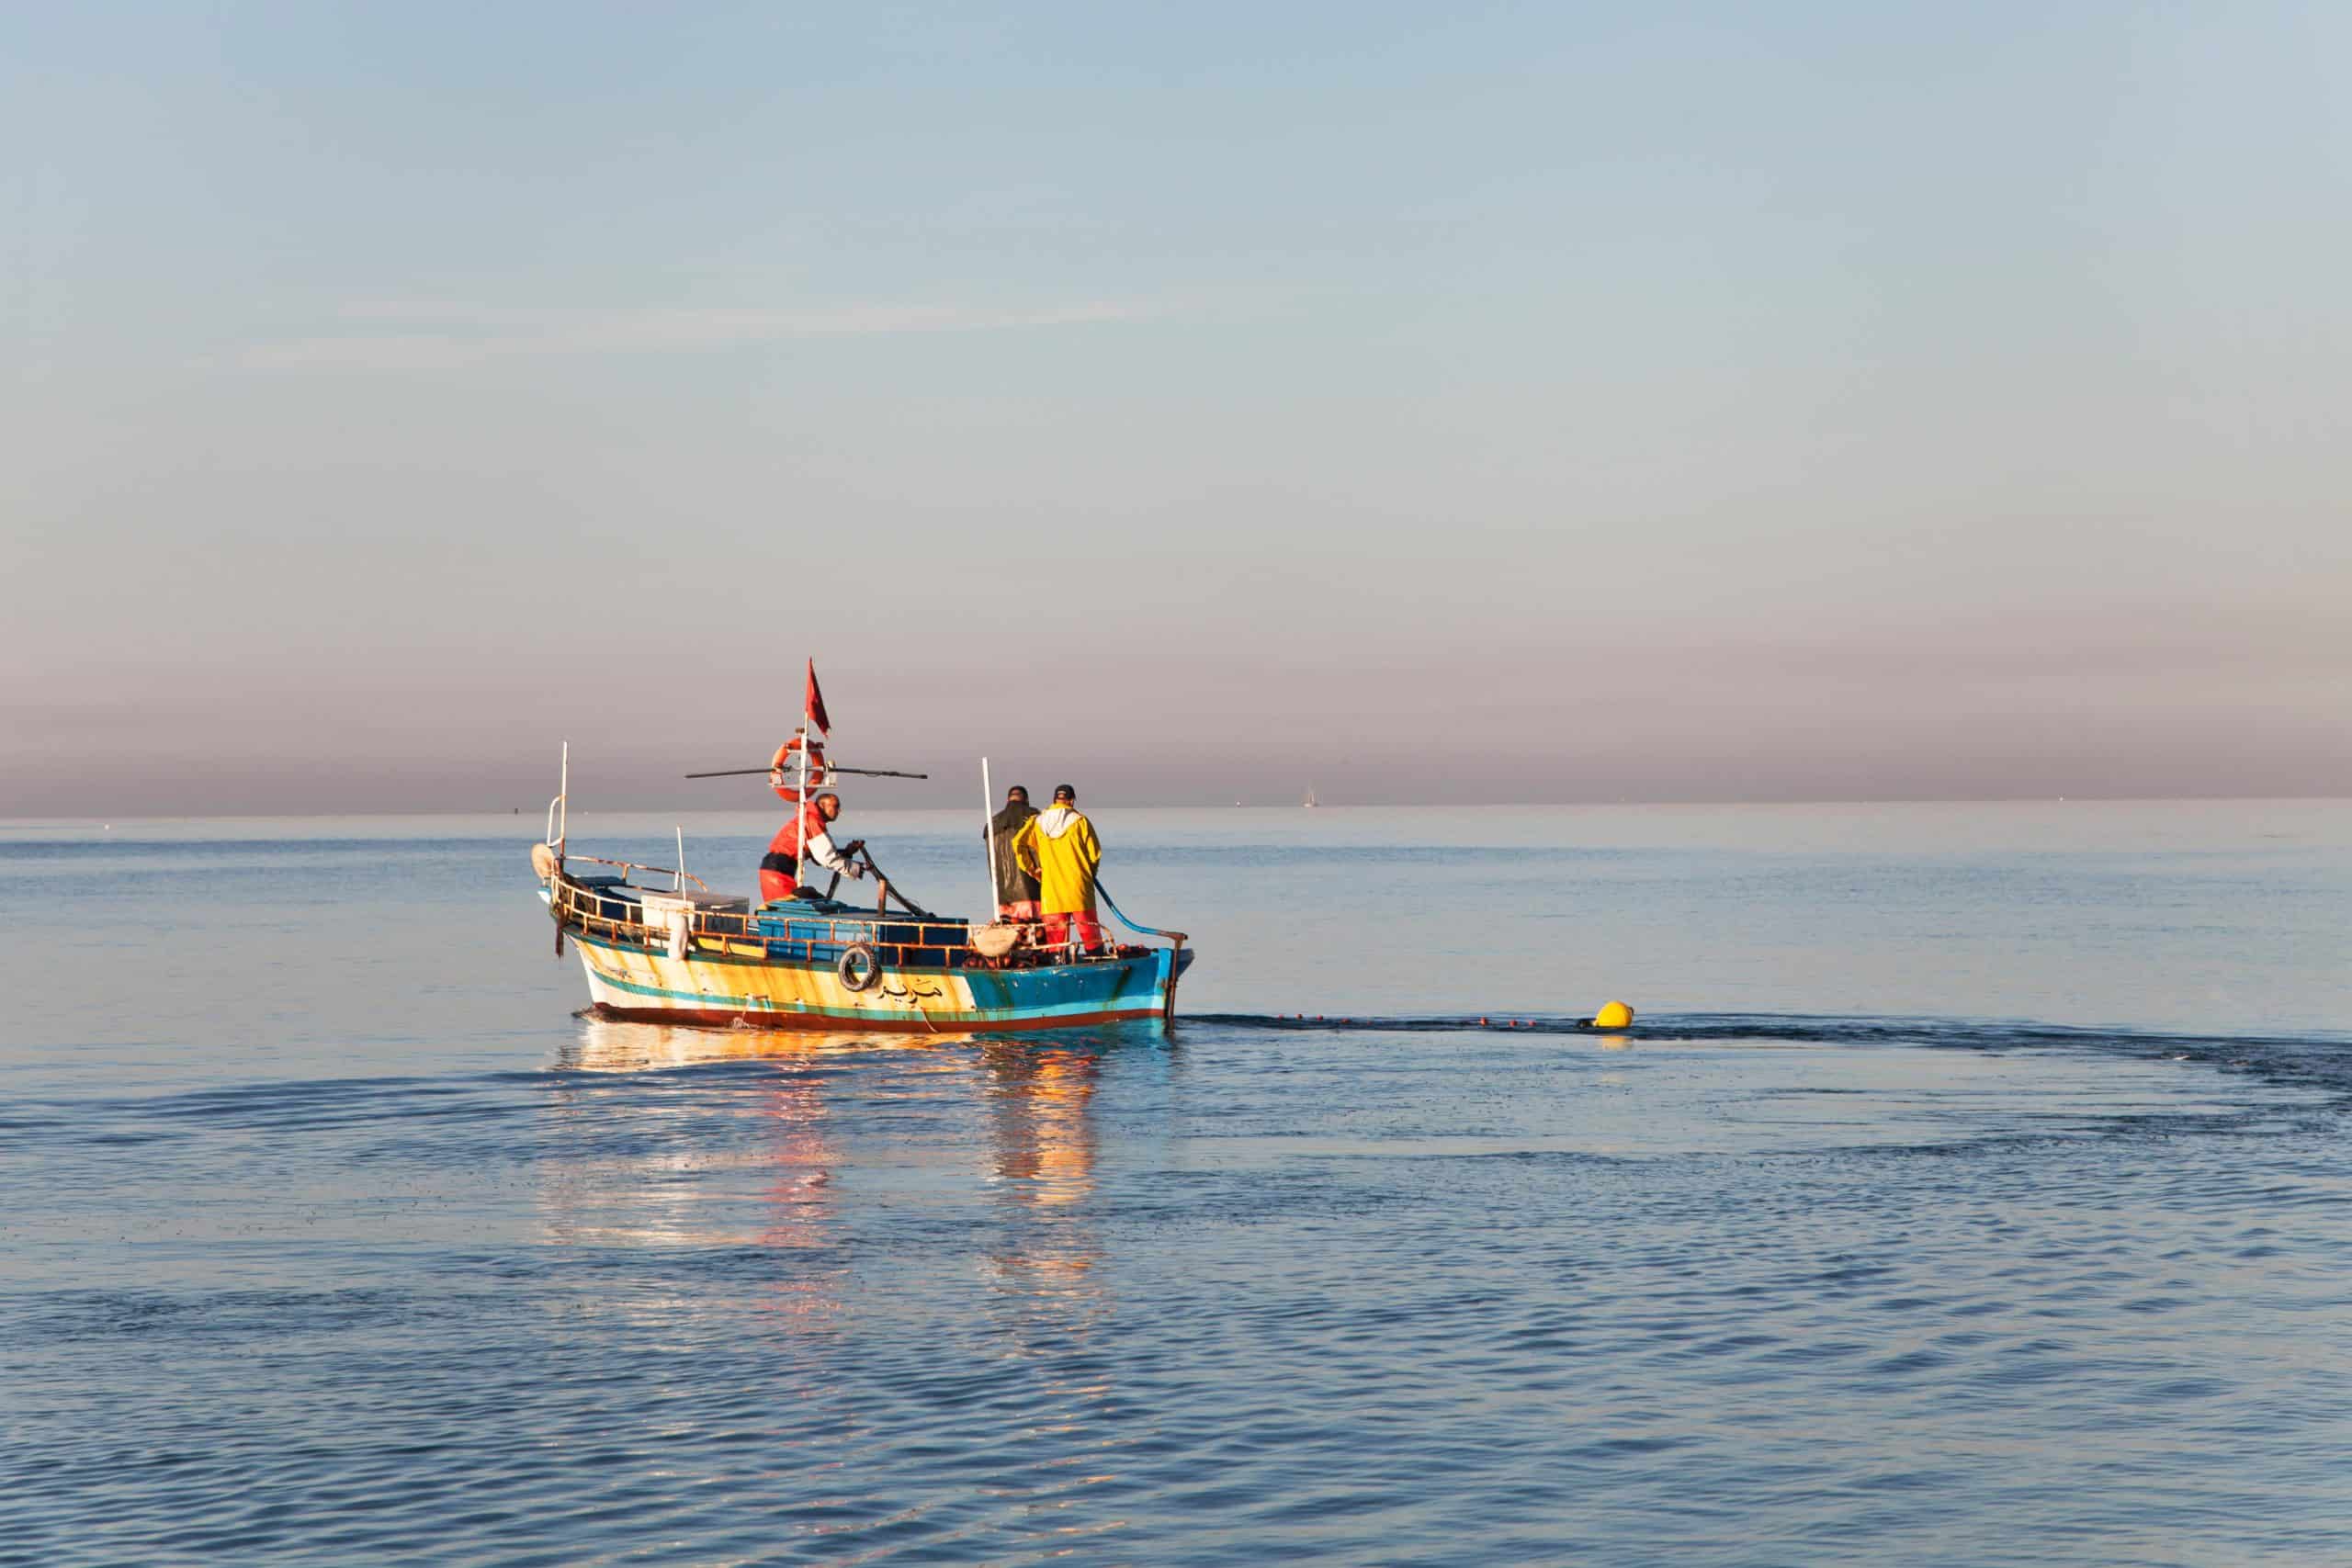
pixel 671 1162
pixel 1044 1141
pixel 607 1045
pixel 1041 1135
pixel 666 1171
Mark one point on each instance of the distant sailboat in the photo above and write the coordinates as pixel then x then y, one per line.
pixel 1309 802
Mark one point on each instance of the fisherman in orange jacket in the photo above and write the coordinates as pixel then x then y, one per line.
pixel 806 834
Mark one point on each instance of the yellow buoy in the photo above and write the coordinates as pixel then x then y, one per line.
pixel 1613 1015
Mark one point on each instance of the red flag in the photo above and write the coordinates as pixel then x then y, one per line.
pixel 813 705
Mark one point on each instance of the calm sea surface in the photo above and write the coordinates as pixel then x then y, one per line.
pixel 1973 1189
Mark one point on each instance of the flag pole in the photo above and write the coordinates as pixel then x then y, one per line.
pixel 987 834
pixel 800 807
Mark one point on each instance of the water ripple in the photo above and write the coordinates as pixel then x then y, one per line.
pixel 1829 1290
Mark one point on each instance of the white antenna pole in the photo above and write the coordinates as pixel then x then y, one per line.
pixel 678 882
pixel 988 833
pixel 563 812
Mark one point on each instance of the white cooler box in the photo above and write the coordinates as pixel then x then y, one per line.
pixel 674 913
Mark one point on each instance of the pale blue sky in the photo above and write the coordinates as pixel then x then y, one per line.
pixel 1651 402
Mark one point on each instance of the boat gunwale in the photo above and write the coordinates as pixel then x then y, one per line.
pixel 813 952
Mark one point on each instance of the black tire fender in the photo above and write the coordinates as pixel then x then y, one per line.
pixel 857 968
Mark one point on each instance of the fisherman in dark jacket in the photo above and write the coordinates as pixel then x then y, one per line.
pixel 1017 890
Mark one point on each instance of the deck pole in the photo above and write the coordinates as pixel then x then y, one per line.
pixel 562 837
pixel 987 834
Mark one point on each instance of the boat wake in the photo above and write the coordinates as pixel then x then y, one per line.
pixel 2320 1060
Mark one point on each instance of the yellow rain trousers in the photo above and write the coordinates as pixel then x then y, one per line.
pixel 1059 849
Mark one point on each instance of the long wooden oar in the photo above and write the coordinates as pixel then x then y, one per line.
pixel 888 891
pixel 884 892
pixel 861 773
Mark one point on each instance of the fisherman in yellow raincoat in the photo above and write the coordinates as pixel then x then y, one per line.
pixel 1058 848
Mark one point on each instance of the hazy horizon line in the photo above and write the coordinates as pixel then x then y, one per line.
pixel 11 823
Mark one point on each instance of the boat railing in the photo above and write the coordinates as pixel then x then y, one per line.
pixel 626 866
pixel 598 912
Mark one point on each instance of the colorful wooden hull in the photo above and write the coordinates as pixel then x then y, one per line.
pixel 677 958
pixel 629 981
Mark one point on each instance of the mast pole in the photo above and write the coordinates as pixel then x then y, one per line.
pixel 988 833
pixel 801 807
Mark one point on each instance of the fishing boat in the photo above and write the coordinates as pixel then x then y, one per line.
pixel 656 949
pixel 672 955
